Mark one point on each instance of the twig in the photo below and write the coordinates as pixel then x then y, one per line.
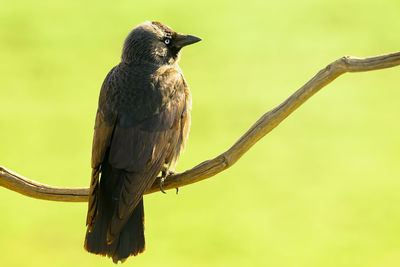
pixel 209 168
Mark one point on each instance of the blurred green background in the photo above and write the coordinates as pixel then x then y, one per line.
pixel 322 189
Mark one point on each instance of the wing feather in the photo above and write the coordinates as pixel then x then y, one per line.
pixel 103 129
pixel 143 150
pixel 139 138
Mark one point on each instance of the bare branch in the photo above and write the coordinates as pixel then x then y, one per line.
pixel 30 188
pixel 209 168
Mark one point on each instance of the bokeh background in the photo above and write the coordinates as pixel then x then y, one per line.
pixel 322 189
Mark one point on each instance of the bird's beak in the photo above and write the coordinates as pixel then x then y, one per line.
pixel 182 40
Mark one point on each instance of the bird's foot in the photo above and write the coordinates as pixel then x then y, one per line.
pixel 164 173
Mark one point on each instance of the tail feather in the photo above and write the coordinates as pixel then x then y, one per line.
pixel 131 239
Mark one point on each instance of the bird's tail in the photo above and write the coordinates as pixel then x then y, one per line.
pixel 131 238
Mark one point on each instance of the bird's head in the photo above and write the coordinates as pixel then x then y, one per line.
pixel 155 43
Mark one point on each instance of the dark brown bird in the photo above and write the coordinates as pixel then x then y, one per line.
pixel 142 124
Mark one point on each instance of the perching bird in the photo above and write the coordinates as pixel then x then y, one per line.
pixel 142 124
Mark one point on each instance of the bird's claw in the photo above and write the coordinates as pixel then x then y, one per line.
pixel 164 174
pixel 162 180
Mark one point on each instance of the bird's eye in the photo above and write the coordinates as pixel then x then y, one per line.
pixel 167 41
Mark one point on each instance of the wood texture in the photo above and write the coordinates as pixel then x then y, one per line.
pixel 209 168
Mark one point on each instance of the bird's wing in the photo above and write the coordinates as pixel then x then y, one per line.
pixel 141 147
pixel 136 134
pixel 104 125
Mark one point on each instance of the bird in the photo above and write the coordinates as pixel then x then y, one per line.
pixel 141 127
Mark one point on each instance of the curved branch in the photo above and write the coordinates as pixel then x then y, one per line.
pixel 209 168
pixel 30 188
